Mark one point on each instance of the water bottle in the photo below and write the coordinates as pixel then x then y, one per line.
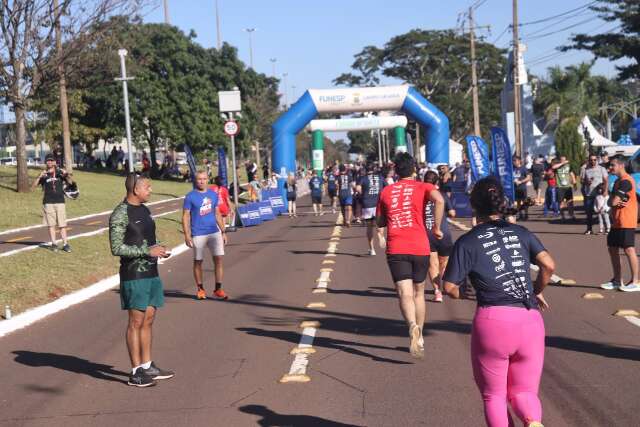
pixel 7 312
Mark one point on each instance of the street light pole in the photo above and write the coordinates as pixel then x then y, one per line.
pixel 125 92
pixel 273 66
pixel 286 100
pixel 166 12
pixel 219 41
pixel 250 31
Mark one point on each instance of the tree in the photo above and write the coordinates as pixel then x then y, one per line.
pixel 28 52
pixel 570 143
pixel 617 43
pixel 438 64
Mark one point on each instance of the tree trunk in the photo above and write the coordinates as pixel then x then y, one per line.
pixel 64 109
pixel 152 157
pixel 21 152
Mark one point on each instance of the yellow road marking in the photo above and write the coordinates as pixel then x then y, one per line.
pixel 18 239
pixel 328 261
pixel 326 270
pixel 93 223
pixel 626 312
pixel 316 305
pixel 310 324
pixel 319 291
pixel 593 295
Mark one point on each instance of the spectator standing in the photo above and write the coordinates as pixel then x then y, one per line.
pixel 624 207
pixel 291 187
pixel 520 179
pixel 602 209
pixel 551 193
pixel 224 200
pixel 566 181
pixel 591 176
pixel 54 211
pixel 537 173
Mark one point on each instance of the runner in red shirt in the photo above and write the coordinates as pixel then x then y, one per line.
pixel 401 209
pixel 224 202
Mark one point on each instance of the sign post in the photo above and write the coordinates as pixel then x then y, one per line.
pixel 229 102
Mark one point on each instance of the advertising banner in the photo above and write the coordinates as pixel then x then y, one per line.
pixel 502 162
pixel 250 215
pixel 222 166
pixel 478 156
pixel 274 197
pixel 266 211
pixel 350 100
pixel 191 162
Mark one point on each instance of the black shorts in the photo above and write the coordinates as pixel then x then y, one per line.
pixel 443 246
pixel 565 193
pixel 621 238
pixel 317 200
pixel 291 197
pixel 536 183
pixel 408 267
pixel 333 192
pixel 521 194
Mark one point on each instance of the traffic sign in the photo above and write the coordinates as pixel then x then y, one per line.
pixel 231 128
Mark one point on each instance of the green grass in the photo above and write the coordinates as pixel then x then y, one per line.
pixel 32 278
pixel 99 192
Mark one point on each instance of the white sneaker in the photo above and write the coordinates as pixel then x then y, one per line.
pixel 610 286
pixel 372 252
pixel 438 297
pixel 414 346
pixel 631 287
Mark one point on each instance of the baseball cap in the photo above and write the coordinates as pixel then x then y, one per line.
pixel 49 157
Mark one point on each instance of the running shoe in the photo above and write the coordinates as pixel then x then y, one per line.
pixel 588 232
pixel 414 346
pixel 66 248
pixel 610 285
pixel 631 287
pixel 421 344
pixel 156 373
pixel 201 294
pixel 141 379
pixel 438 297
pixel 220 294
pixel 372 252
pixel 51 246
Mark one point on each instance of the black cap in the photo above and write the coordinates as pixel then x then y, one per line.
pixel 49 157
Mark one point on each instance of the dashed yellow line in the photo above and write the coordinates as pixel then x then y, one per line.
pixel 18 239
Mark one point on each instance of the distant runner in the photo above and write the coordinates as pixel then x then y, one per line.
pixel 332 188
pixel 507 337
pixel 345 192
pixel 370 187
pixel 315 185
pixel 224 201
pixel 292 188
pixel 203 228
pixel 132 235
pixel 401 209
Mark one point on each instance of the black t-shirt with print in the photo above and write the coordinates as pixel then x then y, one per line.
pixel 496 257
pixel 53 186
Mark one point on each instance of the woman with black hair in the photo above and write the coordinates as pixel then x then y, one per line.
pixel 507 338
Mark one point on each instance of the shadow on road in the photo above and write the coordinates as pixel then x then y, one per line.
pixel 324 252
pixel 373 291
pixel 273 419
pixel 69 363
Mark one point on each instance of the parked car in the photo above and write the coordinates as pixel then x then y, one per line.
pixel 8 161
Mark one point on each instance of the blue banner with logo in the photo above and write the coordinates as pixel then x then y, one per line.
pixel 274 197
pixel 266 211
pixel 191 162
pixel 502 162
pixel 222 166
pixel 250 214
pixel 478 157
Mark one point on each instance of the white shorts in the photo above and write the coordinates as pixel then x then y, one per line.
pixel 213 241
pixel 368 213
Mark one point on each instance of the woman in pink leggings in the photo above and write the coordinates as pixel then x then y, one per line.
pixel 507 337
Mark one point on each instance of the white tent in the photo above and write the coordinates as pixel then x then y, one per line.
pixel 455 152
pixel 597 139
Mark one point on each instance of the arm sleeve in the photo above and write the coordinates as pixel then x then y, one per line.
pixel 535 247
pixel 186 205
pixel 459 265
pixel 117 228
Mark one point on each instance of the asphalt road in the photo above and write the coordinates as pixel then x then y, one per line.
pixel 69 369
pixel 12 242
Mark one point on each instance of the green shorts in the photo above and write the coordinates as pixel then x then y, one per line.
pixel 142 293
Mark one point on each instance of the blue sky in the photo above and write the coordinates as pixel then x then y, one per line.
pixel 314 41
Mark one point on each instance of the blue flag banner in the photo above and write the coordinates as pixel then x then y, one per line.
pixel 191 162
pixel 274 197
pixel 502 163
pixel 479 157
pixel 222 167
pixel 461 204
pixel 266 211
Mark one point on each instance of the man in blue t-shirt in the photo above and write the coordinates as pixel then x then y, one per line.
pixel 203 227
pixel 332 187
pixel 315 185
pixel 345 192
pixel 369 187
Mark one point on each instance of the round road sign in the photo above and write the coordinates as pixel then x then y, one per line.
pixel 231 128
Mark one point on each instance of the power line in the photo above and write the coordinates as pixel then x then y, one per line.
pixel 539 21
pixel 546 27
pixel 507 28
pixel 558 31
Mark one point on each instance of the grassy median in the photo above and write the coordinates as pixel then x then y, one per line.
pixel 32 278
pixel 99 192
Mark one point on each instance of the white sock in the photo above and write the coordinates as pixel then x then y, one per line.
pixel 134 369
pixel 146 365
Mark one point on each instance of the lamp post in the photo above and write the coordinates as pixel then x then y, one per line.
pixel 250 31
pixel 286 100
pixel 273 66
pixel 125 92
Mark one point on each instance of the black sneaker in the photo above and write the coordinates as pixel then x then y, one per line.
pixel 66 248
pixel 50 246
pixel 141 379
pixel 158 374
pixel 588 232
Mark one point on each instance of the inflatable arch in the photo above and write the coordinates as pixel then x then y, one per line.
pixel 349 100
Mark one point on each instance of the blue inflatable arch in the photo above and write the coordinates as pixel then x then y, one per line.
pixel 349 100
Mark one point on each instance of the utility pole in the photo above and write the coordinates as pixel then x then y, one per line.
pixel 517 111
pixel 273 66
pixel 218 27
pixel 166 12
pixel 125 94
pixel 286 100
pixel 62 83
pixel 250 31
pixel 474 76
